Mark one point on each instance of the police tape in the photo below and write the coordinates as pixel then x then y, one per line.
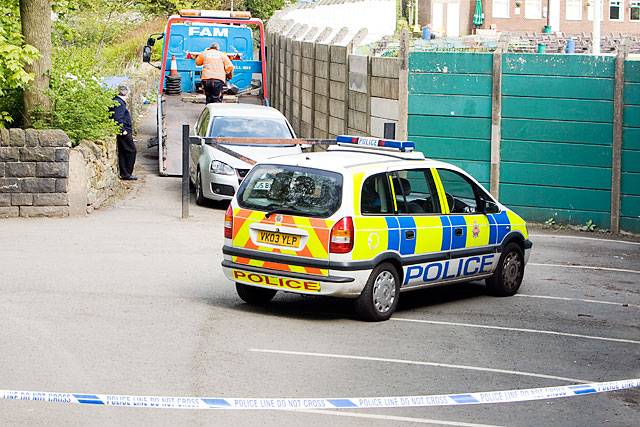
pixel 166 402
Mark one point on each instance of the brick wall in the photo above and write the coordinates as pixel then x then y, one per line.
pixel 34 167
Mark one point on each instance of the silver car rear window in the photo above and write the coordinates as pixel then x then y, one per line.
pixel 291 190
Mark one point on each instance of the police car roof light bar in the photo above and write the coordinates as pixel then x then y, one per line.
pixel 388 144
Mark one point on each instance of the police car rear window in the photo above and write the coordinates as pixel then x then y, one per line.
pixel 291 190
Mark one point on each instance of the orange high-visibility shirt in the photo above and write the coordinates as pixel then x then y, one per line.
pixel 215 65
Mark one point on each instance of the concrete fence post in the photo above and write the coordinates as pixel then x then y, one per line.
pixel 403 87
pixel 616 151
pixel 288 66
pixel 496 122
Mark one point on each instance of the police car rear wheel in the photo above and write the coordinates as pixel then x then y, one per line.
pixel 379 298
pixel 254 295
pixel 508 276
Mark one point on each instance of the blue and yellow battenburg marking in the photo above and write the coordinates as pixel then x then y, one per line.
pixel 416 235
pixel 451 231
pixel 449 270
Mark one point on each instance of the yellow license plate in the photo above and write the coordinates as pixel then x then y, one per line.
pixel 278 239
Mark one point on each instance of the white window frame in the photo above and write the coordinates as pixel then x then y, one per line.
pixel 575 7
pixel 530 9
pixel 620 4
pixel 634 4
pixel 507 9
pixel 590 11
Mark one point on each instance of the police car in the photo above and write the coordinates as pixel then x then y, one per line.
pixel 368 219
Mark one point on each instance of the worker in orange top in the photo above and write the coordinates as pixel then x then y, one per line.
pixel 216 70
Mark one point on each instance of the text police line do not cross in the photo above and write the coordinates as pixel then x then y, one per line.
pixel 222 144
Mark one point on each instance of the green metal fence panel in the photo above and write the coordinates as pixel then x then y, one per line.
pixel 632 93
pixel 558 87
pixel 541 152
pixel 632 115
pixel 452 105
pixel 456 127
pixel 556 175
pixel 559 65
pixel 450 108
pixel 557 109
pixel 556 197
pixel 450 63
pixel 556 133
pixel 452 148
pixel 630 173
pixel 450 84
pixel 569 112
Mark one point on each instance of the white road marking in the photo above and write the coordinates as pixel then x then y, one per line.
pixel 584 267
pixel 593 301
pixel 392 418
pixel 416 362
pixel 584 238
pixel 504 328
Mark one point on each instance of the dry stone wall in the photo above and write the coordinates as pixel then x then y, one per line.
pixel 41 175
pixel 34 170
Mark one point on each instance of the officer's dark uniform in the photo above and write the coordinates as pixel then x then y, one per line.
pixel 126 146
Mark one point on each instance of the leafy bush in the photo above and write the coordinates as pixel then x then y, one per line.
pixel 80 103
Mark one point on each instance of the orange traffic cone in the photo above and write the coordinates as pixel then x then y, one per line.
pixel 173 80
pixel 173 70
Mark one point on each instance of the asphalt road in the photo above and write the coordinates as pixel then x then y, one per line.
pixel 132 300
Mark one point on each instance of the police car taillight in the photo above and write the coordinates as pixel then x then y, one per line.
pixel 342 234
pixel 228 223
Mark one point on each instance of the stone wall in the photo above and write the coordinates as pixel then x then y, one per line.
pixel 94 168
pixel 41 175
pixel 34 170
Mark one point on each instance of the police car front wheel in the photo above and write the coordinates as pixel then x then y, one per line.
pixel 254 295
pixel 507 278
pixel 379 298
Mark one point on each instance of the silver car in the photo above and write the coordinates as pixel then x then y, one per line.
pixel 215 174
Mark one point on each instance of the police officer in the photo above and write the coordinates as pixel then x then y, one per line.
pixel 126 147
pixel 216 70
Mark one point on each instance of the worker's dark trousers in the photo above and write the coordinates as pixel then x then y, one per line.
pixel 213 90
pixel 126 155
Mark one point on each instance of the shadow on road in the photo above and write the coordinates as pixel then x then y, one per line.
pixel 322 308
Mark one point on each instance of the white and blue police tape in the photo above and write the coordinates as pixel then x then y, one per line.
pixel 166 402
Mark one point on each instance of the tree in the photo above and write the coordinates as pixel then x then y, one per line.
pixel 263 8
pixel 35 16
pixel 14 55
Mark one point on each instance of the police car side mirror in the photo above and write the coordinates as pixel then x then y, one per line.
pixel 489 207
pixel 151 41
pixel 146 53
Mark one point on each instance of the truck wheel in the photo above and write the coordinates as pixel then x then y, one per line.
pixel 379 298
pixel 200 200
pixel 254 295
pixel 507 278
